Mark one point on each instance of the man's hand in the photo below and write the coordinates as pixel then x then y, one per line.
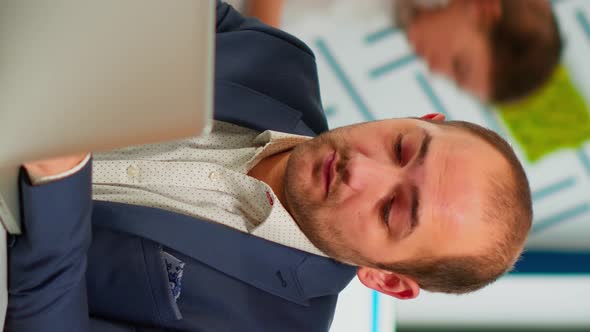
pixel 51 167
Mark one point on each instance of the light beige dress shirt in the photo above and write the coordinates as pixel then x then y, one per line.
pixel 205 177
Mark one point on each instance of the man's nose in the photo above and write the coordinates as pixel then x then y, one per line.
pixel 362 173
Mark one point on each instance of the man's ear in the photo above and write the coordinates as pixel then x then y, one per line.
pixel 389 283
pixel 434 117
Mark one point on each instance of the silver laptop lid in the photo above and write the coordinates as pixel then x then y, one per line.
pixel 95 75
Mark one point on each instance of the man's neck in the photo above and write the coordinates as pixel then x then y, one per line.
pixel 271 170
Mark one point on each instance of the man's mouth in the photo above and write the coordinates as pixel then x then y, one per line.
pixel 328 171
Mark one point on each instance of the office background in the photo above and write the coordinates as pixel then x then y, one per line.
pixel 368 71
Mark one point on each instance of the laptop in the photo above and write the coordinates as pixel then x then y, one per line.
pixel 88 76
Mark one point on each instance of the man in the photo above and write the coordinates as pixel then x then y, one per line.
pixel 230 232
pixel 498 50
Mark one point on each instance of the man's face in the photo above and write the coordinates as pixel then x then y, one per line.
pixel 452 42
pixel 392 190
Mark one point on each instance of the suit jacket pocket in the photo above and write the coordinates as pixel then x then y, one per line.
pixel 126 280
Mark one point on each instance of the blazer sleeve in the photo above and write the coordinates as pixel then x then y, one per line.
pixel 47 262
pixel 269 61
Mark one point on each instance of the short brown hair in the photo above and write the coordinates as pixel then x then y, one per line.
pixel 510 209
pixel 526 47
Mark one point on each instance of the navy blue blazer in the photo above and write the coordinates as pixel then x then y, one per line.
pixel 83 265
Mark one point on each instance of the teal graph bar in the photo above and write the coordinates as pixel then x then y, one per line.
pixel 347 84
pixel 434 100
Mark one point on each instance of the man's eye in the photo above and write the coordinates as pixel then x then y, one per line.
pixel 387 210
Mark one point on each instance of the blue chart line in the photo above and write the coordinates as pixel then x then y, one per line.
pixel 343 78
pixel 431 95
pixel 391 66
pixel 375 318
pixel 492 122
pixel 553 188
pixel 380 35
pixel 584 159
pixel 560 217
pixel 330 110
pixel 583 21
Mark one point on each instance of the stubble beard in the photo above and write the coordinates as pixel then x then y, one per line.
pixel 313 217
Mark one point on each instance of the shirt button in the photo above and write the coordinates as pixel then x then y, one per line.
pixel 214 176
pixel 133 171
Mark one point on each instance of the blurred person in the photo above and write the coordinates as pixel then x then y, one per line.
pixel 259 226
pixel 498 50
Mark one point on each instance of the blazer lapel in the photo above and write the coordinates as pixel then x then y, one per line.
pixel 286 272
pixel 242 106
